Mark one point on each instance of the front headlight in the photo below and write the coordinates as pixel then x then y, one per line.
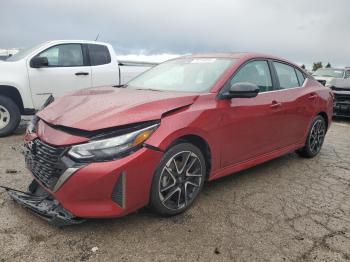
pixel 111 148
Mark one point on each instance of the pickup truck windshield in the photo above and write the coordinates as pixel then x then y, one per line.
pixel 183 75
pixel 23 53
pixel 329 72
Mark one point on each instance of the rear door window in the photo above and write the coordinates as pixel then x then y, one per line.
pixel 99 55
pixel 286 75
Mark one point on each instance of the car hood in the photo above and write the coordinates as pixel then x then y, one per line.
pixel 325 78
pixel 105 107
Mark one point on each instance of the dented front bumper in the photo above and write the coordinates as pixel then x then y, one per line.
pixel 44 205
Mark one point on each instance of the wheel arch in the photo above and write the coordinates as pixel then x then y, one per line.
pixel 13 93
pixel 199 142
pixel 325 117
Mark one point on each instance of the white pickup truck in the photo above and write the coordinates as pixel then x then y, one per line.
pixel 55 68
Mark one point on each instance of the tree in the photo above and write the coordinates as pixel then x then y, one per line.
pixel 328 65
pixel 316 66
pixel 303 66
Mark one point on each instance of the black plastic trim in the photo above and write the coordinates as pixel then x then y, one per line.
pixel 106 132
pixel 153 148
pixel 45 206
pixel 118 194
pixel 29 111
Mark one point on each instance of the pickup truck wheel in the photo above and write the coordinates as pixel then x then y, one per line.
pixel 10 116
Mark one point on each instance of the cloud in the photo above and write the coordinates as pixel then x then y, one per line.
pixel 302 31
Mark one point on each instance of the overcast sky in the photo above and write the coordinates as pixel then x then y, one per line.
pixel 303 31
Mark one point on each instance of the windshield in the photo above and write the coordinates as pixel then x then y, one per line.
pixel 183 75
pixel 23 53
pixel 328 72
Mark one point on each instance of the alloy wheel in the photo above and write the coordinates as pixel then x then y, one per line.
pixel 180 180
pixel 4 117
pixel 317 135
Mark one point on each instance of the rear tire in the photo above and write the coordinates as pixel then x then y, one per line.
pixel 178 179
pixel 10 116
pixel 314 139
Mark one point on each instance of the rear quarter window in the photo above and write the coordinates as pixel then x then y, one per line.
pixel 301 77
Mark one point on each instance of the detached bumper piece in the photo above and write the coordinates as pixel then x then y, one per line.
pixel 45 206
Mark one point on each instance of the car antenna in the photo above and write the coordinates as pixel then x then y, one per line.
pixel 98 35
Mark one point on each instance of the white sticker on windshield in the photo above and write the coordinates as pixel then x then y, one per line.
pixel 338 71
pixel 203 60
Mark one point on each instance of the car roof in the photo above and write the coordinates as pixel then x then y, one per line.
pixel 237 55
pixel 75 41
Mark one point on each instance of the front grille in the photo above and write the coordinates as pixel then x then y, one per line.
pixel 44 162
pixel 341 106
pixel 323 82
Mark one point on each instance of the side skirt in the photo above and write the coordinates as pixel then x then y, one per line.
pixel 253 161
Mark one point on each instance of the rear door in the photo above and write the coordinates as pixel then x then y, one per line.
pixel 68 70
pixel 104 71
pixel 298 103
pixel 250 126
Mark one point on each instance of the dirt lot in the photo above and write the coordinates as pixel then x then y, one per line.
pixel 289 209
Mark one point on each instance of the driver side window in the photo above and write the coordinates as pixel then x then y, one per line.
pixel 66 55
pixel 256 72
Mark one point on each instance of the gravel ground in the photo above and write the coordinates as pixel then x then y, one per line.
pixel 289 209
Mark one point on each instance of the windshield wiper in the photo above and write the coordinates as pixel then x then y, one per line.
pixel 150 89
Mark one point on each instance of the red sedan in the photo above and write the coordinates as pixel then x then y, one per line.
pixel 106 152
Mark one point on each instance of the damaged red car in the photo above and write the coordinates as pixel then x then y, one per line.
pixel 109 151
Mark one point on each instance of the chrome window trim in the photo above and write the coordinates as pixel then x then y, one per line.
pixel 285 89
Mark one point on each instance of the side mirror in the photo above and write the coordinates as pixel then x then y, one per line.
pixel 242 90
pixel 38 62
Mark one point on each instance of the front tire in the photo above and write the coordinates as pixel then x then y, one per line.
pixel 314 139
pixel 178 179
pixel 10 116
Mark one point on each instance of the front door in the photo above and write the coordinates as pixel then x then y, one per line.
pixel 67 71
pixel 251 125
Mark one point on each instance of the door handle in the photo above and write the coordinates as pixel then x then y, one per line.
pixel 81 73
pixel 275 105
